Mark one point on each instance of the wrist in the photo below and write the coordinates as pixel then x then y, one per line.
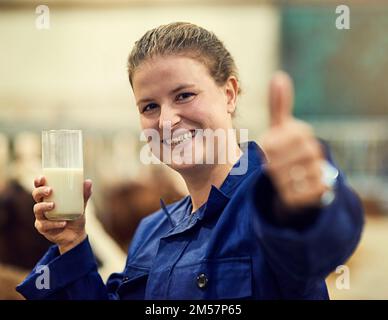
pixel 68 246
pixel 296 218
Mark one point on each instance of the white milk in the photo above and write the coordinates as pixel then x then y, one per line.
pixel 67 192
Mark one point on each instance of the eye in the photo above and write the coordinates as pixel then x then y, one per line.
pixel 184 96
pixel 149 107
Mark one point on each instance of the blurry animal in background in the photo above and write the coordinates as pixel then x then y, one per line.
pixel 126 203
pixel 20 244
pixel 10 277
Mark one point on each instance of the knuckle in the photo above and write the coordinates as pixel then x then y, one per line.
pixel 36 208
pixel 34 194
pixel 44 226
pixel 37 194
pixel 40 207
pixel 48 206
pixel 37 224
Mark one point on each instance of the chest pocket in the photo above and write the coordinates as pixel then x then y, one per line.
pixel 229 278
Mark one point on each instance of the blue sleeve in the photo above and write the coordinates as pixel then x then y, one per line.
pixel 301 254
pixel 71 276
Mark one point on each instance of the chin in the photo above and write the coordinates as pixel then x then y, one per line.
pixel 182 168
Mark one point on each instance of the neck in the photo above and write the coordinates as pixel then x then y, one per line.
pixel 200 178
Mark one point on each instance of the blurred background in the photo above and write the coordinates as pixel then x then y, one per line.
pixel 72 75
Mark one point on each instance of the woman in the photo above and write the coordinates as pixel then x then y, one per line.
pixel 268 231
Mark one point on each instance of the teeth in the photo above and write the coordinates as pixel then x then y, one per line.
pixel 179 139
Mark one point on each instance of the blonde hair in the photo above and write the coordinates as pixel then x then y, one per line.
pixel 183 38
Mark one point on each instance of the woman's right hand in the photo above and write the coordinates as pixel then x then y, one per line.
pixel 66 234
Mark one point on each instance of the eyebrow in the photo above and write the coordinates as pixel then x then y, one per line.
pixel 179 88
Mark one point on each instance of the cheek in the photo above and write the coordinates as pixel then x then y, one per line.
pixel 201 111
pixel 199 115
pixel 210 116
pixel 147 123
pixel 143 123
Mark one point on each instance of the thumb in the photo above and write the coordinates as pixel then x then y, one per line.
pixel 281 98
pixel 87 190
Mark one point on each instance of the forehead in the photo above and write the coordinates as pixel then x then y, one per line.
pixel 163 72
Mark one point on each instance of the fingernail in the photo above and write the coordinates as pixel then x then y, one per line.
pixel 50 205
pixel 62 224
pixel 47 190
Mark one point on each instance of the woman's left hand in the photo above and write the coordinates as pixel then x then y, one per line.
pixel 294 155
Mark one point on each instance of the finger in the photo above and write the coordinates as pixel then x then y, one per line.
pixel 44 226
pixel 281 98
pixel 87 189
pixel 42 207
pixel 301 154
pixel 39 181
pixel 309 197
pixel 308 174
pixel 38 194
pixel 278 143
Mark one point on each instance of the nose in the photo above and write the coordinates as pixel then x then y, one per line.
pixel 169 117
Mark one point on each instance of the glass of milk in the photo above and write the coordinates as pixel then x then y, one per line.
pixel 62 165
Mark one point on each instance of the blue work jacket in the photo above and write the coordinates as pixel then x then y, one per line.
pixel 231 248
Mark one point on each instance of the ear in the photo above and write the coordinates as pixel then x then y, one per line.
pixel 231 91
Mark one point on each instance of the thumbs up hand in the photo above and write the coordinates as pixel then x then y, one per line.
pixel 293 153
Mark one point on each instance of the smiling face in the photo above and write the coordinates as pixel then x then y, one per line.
pixel 177 92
